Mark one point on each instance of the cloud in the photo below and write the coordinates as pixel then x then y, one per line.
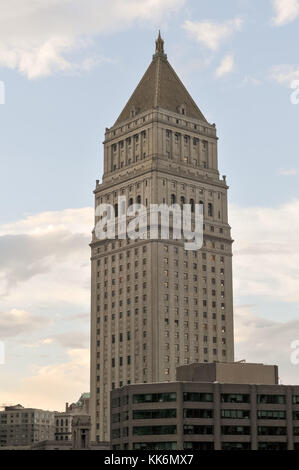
pixel 285 74
pixel 263 239
pixel 289 172
pixel 248 80
pixel 212 34
pixel 50 387
pixel 286 11
pixel 19 322
pixel 43 243
pixel 42 37
pixel 259 340
pixel 226 66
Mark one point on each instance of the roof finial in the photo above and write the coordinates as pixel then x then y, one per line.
pixel 159 45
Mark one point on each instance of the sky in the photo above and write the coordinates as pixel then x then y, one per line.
pixel 68 67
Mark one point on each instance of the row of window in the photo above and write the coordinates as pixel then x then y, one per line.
pixel 191 413
pixel 190 429
pixel 209 397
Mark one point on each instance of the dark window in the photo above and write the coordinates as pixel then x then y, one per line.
pixel 236 446
pixel 268 414
pixel 272 446
pixel 198 397
pixel 199 445
pixel 235 414
pixel 235 430
pixel 154 398
pixel 154 414
pixel 234 398
pixel 153 430
pixel 272 431
pixel 198 413
pixel 196 429
pixel 155 446
pixel 271 399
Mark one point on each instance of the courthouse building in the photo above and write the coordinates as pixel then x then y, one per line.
pixel 154 305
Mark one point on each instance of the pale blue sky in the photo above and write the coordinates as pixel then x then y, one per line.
pixel 68 69
pixel 52 127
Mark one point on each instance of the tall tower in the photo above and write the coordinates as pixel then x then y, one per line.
pixel 155 306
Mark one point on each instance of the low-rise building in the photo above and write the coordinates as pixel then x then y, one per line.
pixel 21 426
pixel 63 420
pixel 211 407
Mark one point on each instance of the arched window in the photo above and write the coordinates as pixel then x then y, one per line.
pixel 138 200
pixel 210 209
pixel 183 201
pixel 192 205
pixel 131 202
pixel 173 199
pixel 116 210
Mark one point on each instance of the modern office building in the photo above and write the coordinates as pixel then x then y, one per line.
pixel 21 426
pixel 154 305
pixel 211 407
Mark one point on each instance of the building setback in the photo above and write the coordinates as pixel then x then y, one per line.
pixel 257 415
pixel 154 305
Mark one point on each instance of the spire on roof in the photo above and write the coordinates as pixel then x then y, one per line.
pixel 159 44
pixel 160 87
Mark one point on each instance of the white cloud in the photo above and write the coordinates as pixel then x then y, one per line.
pixel 285 74
pixel 266 251
pixel 50 387
pixel 248 80
pixel 226 66
pixel 286 11
pixel 289 172
pixel 259 340
pixel 42 246
pixel 40 37
pixel 212 34
pixel 19 322
pixel 266 265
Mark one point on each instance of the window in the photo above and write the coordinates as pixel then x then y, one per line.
pixel 198 413
pixel 154 430
pixel 154 446
pixel 154 398
pixel 272 431
pixel 196 429
pixel 234 398
pixel 268 414
pixel 198 397
pixel 271 399
pixel 154 414
pixel 235 430
pixel 192 203
pixel 173 199
pixel 210 209
pixel 235 414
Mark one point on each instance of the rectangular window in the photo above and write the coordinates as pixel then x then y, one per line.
pixel 154 430
pixel 271 399
pixel 198 397
pixel 154 398
pixel 234 398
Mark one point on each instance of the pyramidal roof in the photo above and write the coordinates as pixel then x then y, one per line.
pixel 160 87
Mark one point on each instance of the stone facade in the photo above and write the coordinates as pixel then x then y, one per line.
pixel 155 306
